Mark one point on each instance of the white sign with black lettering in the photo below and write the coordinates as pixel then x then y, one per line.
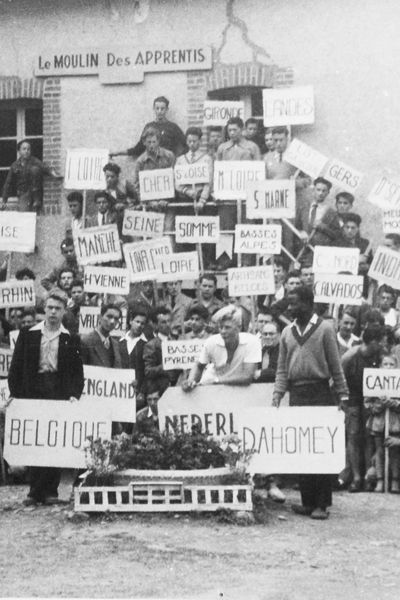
pixel 84 168
pixel 106 280
pixel 142 258
pixel 4 393
pixel 217 112
pixel 13 335
pixel 14 292
pixel 89 317
pixel 386 192
pixel 5 361
pixel 196 230
pixel 180 354
pixel 288 106
pixel 343 176
pixel 385 267
pixel 381 382
pixel 258 239
pixel 251 281
pixel 334 259
pixel 271 199
pixel 17 231
pixel 143 223
pixel 233 177
pixel 391 221
pixel 52 433
pixel 157 184
pixel 192 173
pixel 179 266
pixel 305 158
pixel 97 244
pixel 113 388
pixel 338 289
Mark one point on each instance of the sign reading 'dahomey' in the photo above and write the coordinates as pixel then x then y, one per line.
pixel 381 382
pixel 217 112
pixel 391 221
pixel 192 173
pixel 84 168
pixel 142 258
pixel 289 106
pixel 386 192
pixel 305 158
pixel 334 259
pixel 213 408
pixel 157 184
pixel 296 439
pixel 195 230
pixel 5 361
pixel 258 239
pixel 179 266
pixel 14 292
pixel 143 223
pixel 114 388
pixel 343 176
pixel 180 354
pixel 338 289
pixel 97 244
pixel 106 280
pixel 52 433
pixel 385 267
pixel 251 281
pixel 232 177
pixel 17 231
pixel 271 199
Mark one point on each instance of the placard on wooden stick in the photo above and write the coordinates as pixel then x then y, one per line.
pixel 258 239
pixel 17 293
pixel 142 258
pixel 385 267
pixel 217 112
pixel 232 178
pixel 288 106
pixel 334 259
pixel 271 199
pixel 338 289
pixel 180 354
pixel 381 382
pixel 17 231
pixel 343 176
pixel 97 244
pixel 84 168
pixel 195 230
pixel 143 223
pixel 106 280
pixel 157 184
pixel 251 281
pixel 305 158
pixel 178 266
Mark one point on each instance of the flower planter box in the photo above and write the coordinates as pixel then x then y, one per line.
pixel 213 476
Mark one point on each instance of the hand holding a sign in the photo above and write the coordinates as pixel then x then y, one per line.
pixel 276 399
pixel 72 399
pixel 189 385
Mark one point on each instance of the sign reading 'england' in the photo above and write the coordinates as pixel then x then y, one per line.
pixel 251 281
pixel 385 267
pixel 84 169
pixel 194 230
pixel 338 289
pixel 157 184
pixel 97 244
pixel 17 231
pixel 232 177
pixel 143 223
pixel 334 259
pixel 258 239
pixel 271 199
pixel 217 112
pixel 114 388
pixel 288 106
pixel 305 158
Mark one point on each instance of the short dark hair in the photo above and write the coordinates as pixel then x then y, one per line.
pixel 25 272
pixel 279 130
pixel 293 273
pixel 66 270
pixel 371 317
pixel 304 294
pixel 150 132
pixel 110 306
pixel 386 289
pixel 75 197
pixel 235 121
pixel 77 283
pixel 29 312
pixel 216 128
pixel 323 181
pixel 102 194
pixel 136 310
pixel 373 332
pixel 66 243
pixel 5 324
pixel 24 141
pixel 194 131
pixel 159 310
pixel 351 217
pixel 351 311
pixel 251 121
pixel 198 310
pixel 395 237
pixel 113 167
pixel 346 195
pixel 209 276
pixel 161 99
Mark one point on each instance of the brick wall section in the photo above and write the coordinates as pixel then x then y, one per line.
pixel 13 88
pixel 52 144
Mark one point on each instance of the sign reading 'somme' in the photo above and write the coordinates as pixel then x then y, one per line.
pixel 385 267
pixel 17 231
pixel 251 281
pixel 17 293
pixel 194 230
pixel 84 169
pixel 288 106
pixel 217 112
pixel 157 184
pixel 97 244
pixel 271 199
pixel 258 239
pixel 334 259
pixel 232 177
pixel 338 289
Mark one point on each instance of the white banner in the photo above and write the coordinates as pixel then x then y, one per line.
pixel 343 176
pixel 334 259
pixel 391 221
pixel 106 280
pixel 338 289
pixel 194 230
pixel 179 266
pixel 157 184
pixel 14 292
pixel 52 433
pixel 251 281
pixel 385 267
pixel 386 192
pixel 142 258
pixel 97 244
pixel 271 199
pixel 17 231
pixel 88 318
pixel 294 439
pixel 258 239
pixel 114 389
pixel 5 361
pixel 180 354
pixel 305 158
pixel 288 106
pixel 381 382
pixel 84 169
pixel 218 112
pixel 192 173
pixel 143 223
pixel 233 177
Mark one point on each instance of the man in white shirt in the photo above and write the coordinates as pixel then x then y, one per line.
pixel 345 336
pixel 131 349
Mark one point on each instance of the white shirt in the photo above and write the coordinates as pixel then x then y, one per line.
pixel 353 339
pixel 49 343
pixel 310 323
pixel 132 341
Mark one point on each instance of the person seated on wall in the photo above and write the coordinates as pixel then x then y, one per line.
pixel 122 194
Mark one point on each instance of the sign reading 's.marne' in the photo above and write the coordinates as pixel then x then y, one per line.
pixel 17 231
pixel 157 184
pixel 381 382
pixel 14 292
pixel 251 281
pixel 180 354
pixel 194 230
pixel 258 239
pixel 271 199
pixel 385 267
pixel 334 259
pixel 338 289
pixel 232 177
pixel 106 280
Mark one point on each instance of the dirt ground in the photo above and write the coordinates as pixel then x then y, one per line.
pixel 355 554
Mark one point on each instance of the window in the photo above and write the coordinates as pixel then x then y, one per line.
pixel 251 96
pixel 18 120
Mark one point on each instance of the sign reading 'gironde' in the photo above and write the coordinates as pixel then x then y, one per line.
pixel 84 168
pixel 217 112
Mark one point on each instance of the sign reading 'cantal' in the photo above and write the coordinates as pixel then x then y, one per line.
pixel 288 106
pixel 258 239
pixel 381 382
pixel 232 177
pixel 84 168
pixel 97 244
pixel 17 293
pixel 157 184
pixel 217 112
pixel 334 259
pixel 385 267
pixel 17 231
pixel 143 223
pixel 106 280
pixel 305 158
pixel 271 199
